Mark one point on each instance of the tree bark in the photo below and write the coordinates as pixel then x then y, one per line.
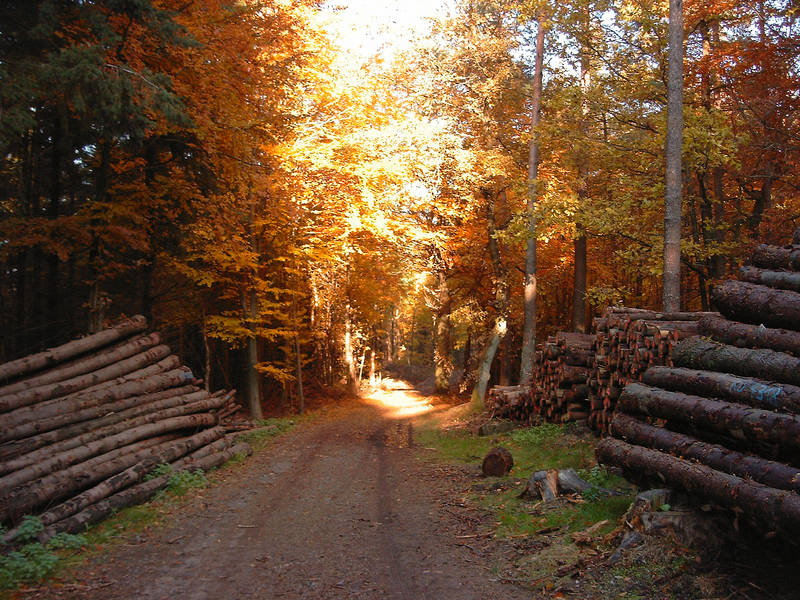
pixel 62 460
pixel 497 462
pixel 783 280
pixel 744 335
pixel 126 478
pixel 673 179
pixel 750 303
pixel 83 475
pixel 771 473
pixel 529 292
pixel 735 420
pixel 136 494
pixel 755 392
pixel 442 360
pixel 129 399
pixel 52 357
pixel 776 257
pixel 699 353
pixel 108 424
pixel 86 365
pixel 778 507
pixel 81 382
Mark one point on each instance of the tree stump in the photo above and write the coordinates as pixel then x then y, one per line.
pixel 497 462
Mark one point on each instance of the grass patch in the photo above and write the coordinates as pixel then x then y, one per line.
pixel 546 446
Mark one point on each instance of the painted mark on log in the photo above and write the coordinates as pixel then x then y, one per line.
pixel 767 394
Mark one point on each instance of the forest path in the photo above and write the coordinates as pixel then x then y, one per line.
pixel 339 508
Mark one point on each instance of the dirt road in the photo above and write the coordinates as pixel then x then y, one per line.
pixel 340 508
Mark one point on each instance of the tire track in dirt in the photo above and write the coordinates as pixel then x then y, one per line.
pixel 338 509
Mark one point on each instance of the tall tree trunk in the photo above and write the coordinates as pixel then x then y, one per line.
pixel 253 379
pixel 673 181
pixel 443 363
pixel 349 361
pixel 529 324
pixel 500 326
pixel 579 246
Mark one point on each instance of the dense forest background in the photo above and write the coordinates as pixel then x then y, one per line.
pixel 280 208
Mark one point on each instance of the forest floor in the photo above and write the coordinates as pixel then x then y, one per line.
pixel 354 505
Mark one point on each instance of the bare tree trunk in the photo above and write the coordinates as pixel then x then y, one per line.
pixel 349 361
pixel 253 379
pixel 529 324
pixel 443 364
pixel 673 180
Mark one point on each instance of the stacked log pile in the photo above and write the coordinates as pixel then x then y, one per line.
pixel 580 376
pixel 723 422
pixel 84 423
pixel 558 389
pixel 628 341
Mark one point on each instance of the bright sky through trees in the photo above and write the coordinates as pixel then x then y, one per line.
pixel 370 27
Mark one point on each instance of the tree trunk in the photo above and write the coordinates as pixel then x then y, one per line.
pixel 755 392
pixel 28 451
pixel 126 478
pixel 744 335
pixel 497 462
pixel 738 421
pixel 442 360
pixel 62 460
pixel 784 280
pixel 699 353
pixel 529 293
pixel 129 399
pixel 771 473
pixel 673 180
pixel 108 424
pixel 253 378
pixel 136 494
pixel 88 380
pixel 52 357
pixel 83 475
pixel 777 257
pixel 86 365
pixel 778 507
pixel 349 361
pixel 485 365
pixel 579 287
pixel 750 303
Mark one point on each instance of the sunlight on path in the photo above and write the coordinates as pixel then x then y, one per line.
pixel 398 399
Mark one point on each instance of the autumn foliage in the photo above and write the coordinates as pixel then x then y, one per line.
pixel 288 212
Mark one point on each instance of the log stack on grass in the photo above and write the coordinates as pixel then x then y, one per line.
pixel 723 422
pixel 580 376
pixel 84 424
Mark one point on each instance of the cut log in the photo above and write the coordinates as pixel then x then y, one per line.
pixel 700 353
pixel 497 462
pixel 755 392
pixel 651 315
pixel 733 419
pixel 126 393
pixel 745 335
pixel 783 280
pixel 61 389
pixel 109 424
pixel 135 495
pixel 778 508
pixel 551 483
pixel 57 486
pixel 776 257
pixel 81 453
pixel 89 364
pixel 771 473
pixel 130 476
pixel 54 356
pixel 165 365
pixel 750 303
